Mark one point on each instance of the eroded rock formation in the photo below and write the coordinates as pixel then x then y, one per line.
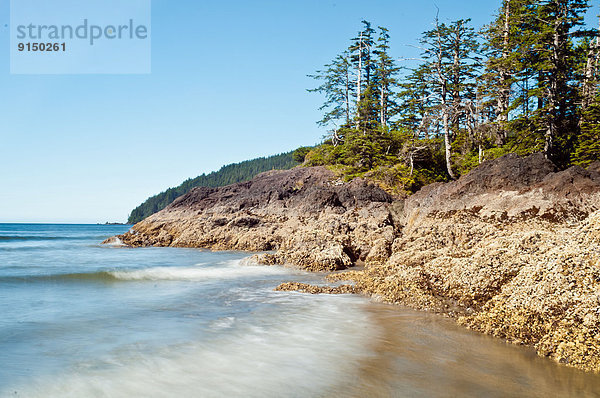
pixel 305 215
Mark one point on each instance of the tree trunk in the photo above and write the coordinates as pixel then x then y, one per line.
pixel 556 83
pixel 587 90
pixel 347 94
pixel 503 98
pixel 456 97
pixel 448 145
pixel 382 110
pixel 446 125
pixel 359 81
pixel 540 97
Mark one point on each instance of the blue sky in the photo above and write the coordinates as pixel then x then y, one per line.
pixel 228 83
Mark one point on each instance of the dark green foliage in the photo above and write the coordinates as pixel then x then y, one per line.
pixel 588 146
pixel 399 180
pixel 550 61
pixel 528 82
pixel 299 155
pixel 336 88
pixel 415 95
pixel 384 79
pixel 227 175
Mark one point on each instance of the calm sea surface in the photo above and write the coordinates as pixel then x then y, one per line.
pixel 78 319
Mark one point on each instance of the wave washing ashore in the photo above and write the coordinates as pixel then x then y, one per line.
pixel 84 320
pixel 511 249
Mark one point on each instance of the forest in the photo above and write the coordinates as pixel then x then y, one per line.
pixel 526 82
pixel 230 174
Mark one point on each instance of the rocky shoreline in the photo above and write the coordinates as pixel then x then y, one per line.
pixel 511 249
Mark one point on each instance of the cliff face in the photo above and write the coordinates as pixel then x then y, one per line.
pixel 511 249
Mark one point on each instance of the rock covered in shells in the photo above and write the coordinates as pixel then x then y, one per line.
pixel 312 289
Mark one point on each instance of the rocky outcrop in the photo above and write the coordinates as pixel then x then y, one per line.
pixel 305 215
pixel 511 188
pixel 511 249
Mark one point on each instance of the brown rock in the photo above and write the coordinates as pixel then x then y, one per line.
pixel 306 288
pixel 311 221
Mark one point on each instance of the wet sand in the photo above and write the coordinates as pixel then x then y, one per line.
pixel 426 355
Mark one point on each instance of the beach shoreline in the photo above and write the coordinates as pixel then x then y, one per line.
pixel 511 249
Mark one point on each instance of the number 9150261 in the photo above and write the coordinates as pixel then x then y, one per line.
pixel 42 47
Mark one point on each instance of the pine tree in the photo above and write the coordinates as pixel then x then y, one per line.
pixel 504 49
pixel 588 145
pixel 559 19
pixel 361 58
pixel 337 89
pixel 384 77
pixel 537 93
pixel 417 102
pixel 462 48
pixel 435 44
pixel 549 35
pixel 449 53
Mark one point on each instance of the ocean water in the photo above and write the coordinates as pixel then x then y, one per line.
pixel 80 319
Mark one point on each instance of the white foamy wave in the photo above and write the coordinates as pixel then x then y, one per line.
pixel 308 350
pixel 223 323
pixel 199 273
pixel 115 242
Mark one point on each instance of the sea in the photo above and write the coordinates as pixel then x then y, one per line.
pixel 82 319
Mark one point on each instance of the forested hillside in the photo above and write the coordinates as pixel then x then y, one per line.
pixel 230 174
pixel 527 82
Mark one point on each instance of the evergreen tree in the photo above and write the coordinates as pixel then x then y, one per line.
pixel 416 102
pixel 462 47
pixel 362 62
pixel 504 48
pixel 559 21
pixel 588 146
pixel 436 56
pixel 549 32
pixel 337 89
pixel 537 92
pixel 384 77
pixel 449 51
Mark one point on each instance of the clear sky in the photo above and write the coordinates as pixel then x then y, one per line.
pixel 228 83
